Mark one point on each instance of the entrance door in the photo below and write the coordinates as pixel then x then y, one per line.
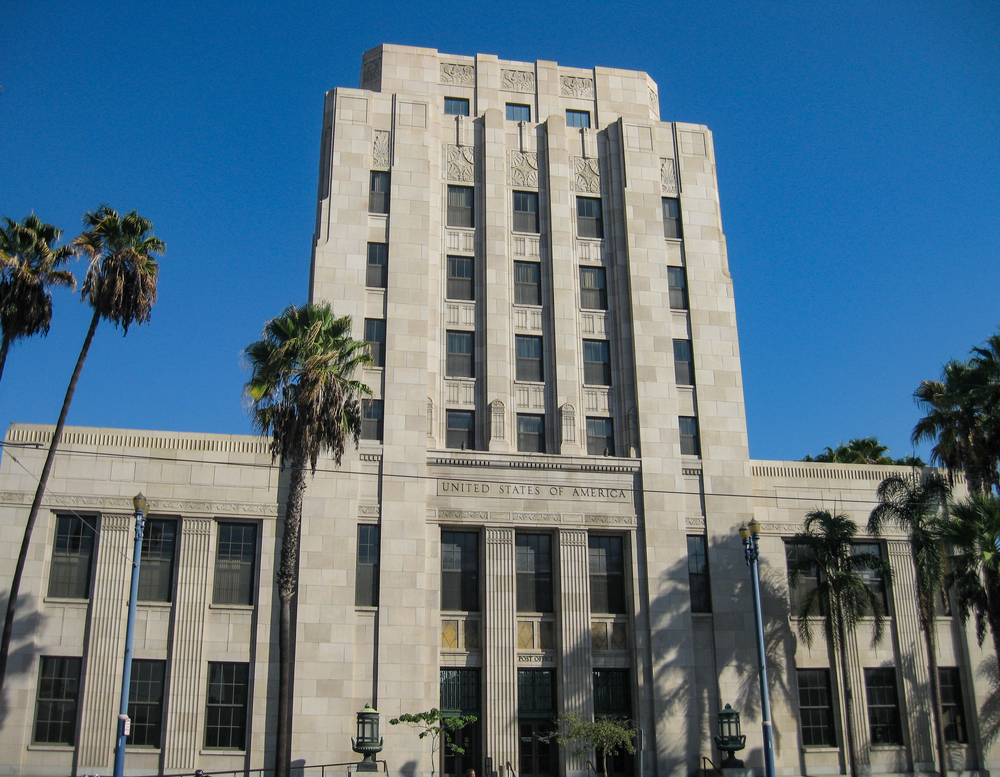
pixel 456 764
pixel 537 751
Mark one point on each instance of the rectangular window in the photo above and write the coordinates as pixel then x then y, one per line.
pixel 456 106
pixel 612 693
pixel 226 706
pixel 952 706
pixel 577 118
pixel 536 693
pixel 461 212
pixel 672 217
pixel 371 419
pixel 460 695
pixel 235 563
pixel 145 702
pixel 378 192
pixel 529 358
pixel 816 708
pixel 690 444
pixel 461 432
pixel 460 362
pixel 156 570
pixel 607 574
pixel 531 433
pixel 806 582
pixel 677 283
pixel 593 288
pixel 366 574
pixel 873 579
pixel 460 270
pixel 701 599
pixel 72 553
pixel 378 264
pixel 683 363
pixel 527 283
pixel 518 112
pixel 589 222
pixel 596 363
pixel 460 691
pixel 58 701
pixel 526 212
pixel 375 338
pixel 459 571
pixel 600 437
pixel 883 707
pixel 533 554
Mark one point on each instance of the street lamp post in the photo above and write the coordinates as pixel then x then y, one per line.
pixel 752 550
pixel 139 503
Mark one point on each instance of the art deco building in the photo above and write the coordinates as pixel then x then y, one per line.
pixel 541 518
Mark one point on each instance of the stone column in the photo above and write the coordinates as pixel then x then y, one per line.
pixel 500 656
pixel 575 655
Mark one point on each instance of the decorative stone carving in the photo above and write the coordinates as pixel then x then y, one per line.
pixel 587 175
pixel 610 520
pixel 695 523
pixel 371 72
pixel 460 164
pixel 463 515
pixel 368 511
pixel 463 75
pixel 567 415
pixel 498 415
pixel 517 80
pixel 668 177
pixel 522 168
pixel 654 102
pixel 536 517
pixel 380 150
pixel 430 417
pixel 573 538
pixel 574 86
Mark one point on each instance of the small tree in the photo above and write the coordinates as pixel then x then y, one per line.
pixel 437 725
pixel 606 736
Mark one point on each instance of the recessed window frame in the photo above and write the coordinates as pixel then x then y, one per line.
pixel 456 106
pixel 460 429
pixel 371 419
pixel 226 705
pixel 589 217
pixel 518 112
pixel 461 284
pixel 577 118
pixel 683 363
pixel 534 571
pixel 530 358
pixel 459 571
pixel 600 436
pixel 606 574
pixel 677 288
pixel 672 218
pixel 366 572
pixel 460 357
pixel 235 574
pixel 72 561
pixel 593 287
pixel 816 711
pixel 57 700
pixel 597 362
pixel 378 192
pixel 699 583
pixel 956 731
pixel 376 271
pixel 375 340
pixel 461 207
pixel 158 559
pixel 882 698
pixel 527 283
pixel 525 209
pixel 689 434
pixel 531 433
pixel 147 685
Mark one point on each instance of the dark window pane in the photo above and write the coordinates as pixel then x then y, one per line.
pixel 701 599
pixel 366 573
pixel 671 217
pixel 873 579
pixel 371 419
pixel 883 707
pixel 593 288
pixel 235 562
pixel 533 554
pixel 525 211
pixel 577 118
pixel 596 363
pixel 460 362
pixel 952 706
pixel 57 701
pixel 156 570
pixel 677 282
pixel 683 363
pixel 527 283
pixel 460 206
pixel 378 261
pixel 690 444
pixel 226 706
pixel 72 553
pixel 378 193
pixel 460 571
pixel 461 431
pixel 612 693
pixel 536 692
pixel 518 112
pixel 531 433
pixel 805 584
pixel 145 702
pixel 456 106
pixel 529 358
pixel 589 222
pixel 460 271
pixel 816 708
pixel 607 574
pixel 375 338
pixel 600 437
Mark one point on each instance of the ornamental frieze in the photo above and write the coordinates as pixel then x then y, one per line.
pixel 517 81
pixel 522 168
pixel 460 164
pixel 462 75
pixel 587 175
pixel 574 86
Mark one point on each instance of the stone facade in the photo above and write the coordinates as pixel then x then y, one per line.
pixel 558 437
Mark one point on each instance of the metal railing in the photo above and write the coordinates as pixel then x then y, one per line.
pixel 306 770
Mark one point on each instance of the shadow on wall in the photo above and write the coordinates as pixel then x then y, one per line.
pixel 19 661
pixel 408 769
pixel 989 712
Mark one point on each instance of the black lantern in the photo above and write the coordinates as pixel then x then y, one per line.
pixel 730 739
pixel 368 743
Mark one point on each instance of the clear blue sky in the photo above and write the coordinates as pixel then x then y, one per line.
pixel 856 143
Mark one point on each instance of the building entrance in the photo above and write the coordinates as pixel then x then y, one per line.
pixel 537 751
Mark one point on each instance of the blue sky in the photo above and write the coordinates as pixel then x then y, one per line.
pixel 856 144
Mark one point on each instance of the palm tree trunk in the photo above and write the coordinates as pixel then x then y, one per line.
pixel 4 347
pixel 287 582
pixel 992 586
pixel 927 624
pixel 852 747
pixel 15 584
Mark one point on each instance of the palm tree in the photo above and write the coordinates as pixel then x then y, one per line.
pixel 29 265
pixel 915 505
pixel 302 394
pixel 973 533
pixel 841 594
pixel 121 287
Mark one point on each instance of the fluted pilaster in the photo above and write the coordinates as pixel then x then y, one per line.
pixel 575 655
pixel 500 653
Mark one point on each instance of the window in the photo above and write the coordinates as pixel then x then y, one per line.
pixel 72 553
pixel 366 574
pixel 226 706
pixel 531 433
pixel 529 358
pixel 461 431
pixel 600 437
pixel 807 582
pixel 460 691
pixel 527 283
pixel 235 562
pixel 378 192
pixel 873 578
pixel 156 570
pixel 145 702
pixel 536 692
pixel 952 708
pixel 690 444
pixel 816 708
pixel 577 118
pixel 683 363
pixel 677 283
pixel 456 106
pixel 460 269
pixel 371 419
pixel 58 701
pixel 518 112
pixel 588 217
pixel 596 363
pixel 593 288
pixel 375 339
pixel 701 599
pixel 460 362
pixel 460 571
pixel 460 206
pixel 533 554
pixel 883 707
pixel 526 212
pixel 612 693
pixel 378 262
pixel 607 574
pixel 671 217
pixel 460 694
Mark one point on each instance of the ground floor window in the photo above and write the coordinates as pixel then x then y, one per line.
pixel 58 700
pixel 460 695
